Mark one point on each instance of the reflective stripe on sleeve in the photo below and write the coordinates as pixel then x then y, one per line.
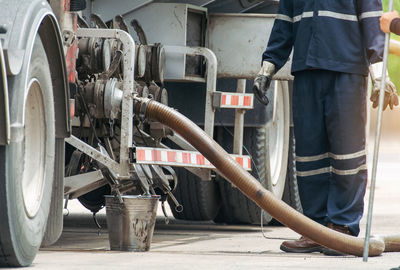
pixel 307 14
pixel 330 14
pixel 284 18
pixel 370 14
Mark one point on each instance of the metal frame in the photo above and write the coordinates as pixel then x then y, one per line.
pixel 203 174
pixel 211 80
pixel 122 168
pixel 77 185
pixel 181 158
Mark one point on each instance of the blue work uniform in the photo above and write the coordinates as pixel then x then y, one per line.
pixel 334 43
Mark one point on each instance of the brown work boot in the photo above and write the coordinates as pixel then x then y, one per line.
pixel 303 245
pixel 338 228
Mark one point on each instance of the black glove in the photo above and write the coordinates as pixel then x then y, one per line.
pixel 260 88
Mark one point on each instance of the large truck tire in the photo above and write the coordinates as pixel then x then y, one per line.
pixel 27 163
pixel 291 192
pixel 269 149
pixel 200 199
pixel 55 221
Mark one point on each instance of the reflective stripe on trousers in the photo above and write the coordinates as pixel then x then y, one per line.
pixel 331 14
pixel 329 125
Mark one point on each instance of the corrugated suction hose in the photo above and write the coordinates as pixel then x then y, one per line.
pixel 248 185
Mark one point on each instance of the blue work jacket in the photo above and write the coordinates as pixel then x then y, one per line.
pixel 336 35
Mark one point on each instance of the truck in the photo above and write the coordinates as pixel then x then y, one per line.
pixel 70 127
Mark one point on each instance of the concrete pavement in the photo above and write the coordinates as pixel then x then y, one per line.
pixel 181 245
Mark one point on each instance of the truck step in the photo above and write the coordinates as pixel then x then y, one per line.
pixel 233 100
pixel 179 158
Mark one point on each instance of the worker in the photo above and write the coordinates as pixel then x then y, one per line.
pixel 390 22
pixel 334 43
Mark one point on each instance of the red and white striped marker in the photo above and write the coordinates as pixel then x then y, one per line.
pixel 179 158
pixel 233 100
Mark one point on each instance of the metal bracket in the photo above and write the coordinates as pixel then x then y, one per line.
pixel 230 100
pixel 93 153
pixel 121 168
pixel 211 79
pixel 143 177
pixel 68 38
pixel 80 184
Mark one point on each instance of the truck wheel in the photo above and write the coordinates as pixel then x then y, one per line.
pixel 291 192
pixel 200 199
pixel 27 163
pixel 55 221
pixel 268 147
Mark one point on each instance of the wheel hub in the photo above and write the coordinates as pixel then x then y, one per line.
pixel 35 149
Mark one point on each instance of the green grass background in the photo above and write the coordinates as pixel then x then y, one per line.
pixel 394 61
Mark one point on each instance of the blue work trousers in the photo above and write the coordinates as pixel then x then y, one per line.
pixel 329 126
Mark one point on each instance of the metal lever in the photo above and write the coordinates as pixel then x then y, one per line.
pixel 178 206
pixel 166 219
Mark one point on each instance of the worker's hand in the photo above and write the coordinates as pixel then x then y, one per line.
pixel 387 19
pixel 391 97
pixel 263 81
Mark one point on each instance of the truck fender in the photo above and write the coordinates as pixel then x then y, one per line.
pixel 20 21
pixel 4 112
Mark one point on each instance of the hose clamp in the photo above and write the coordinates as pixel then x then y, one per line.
pixel 143 103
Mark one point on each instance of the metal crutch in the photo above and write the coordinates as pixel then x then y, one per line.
pixel 377 141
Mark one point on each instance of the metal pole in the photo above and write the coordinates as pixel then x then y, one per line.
pixel 377 141
pixel 239 121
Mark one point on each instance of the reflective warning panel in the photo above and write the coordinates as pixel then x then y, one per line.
pixel 170 157
pixel 233 100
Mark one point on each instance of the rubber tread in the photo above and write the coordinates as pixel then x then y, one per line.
pixel 55 221
pixel 291 193
pixel 236 208
pixel 20 235
pixel 200 199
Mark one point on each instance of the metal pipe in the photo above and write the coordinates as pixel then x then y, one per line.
pixel 239 121
pixel 248 185
pixel 377 141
